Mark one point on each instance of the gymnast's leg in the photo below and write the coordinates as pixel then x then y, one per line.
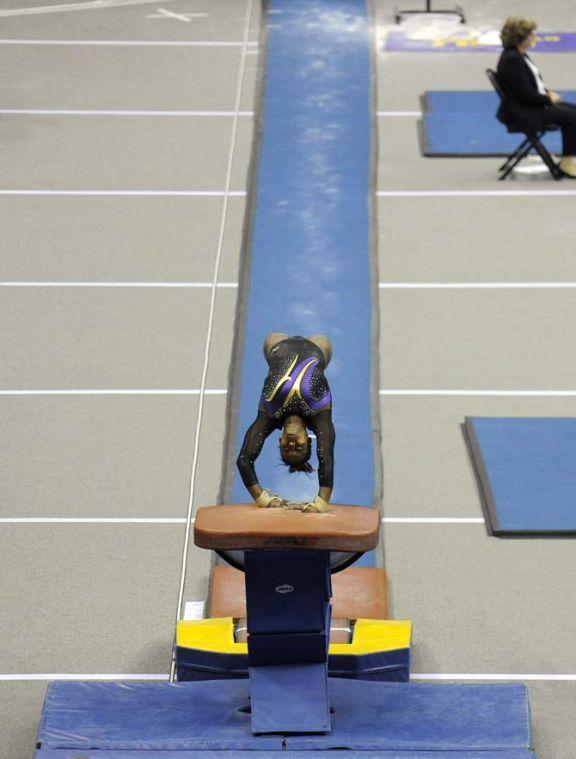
pixel 325 346
pixel 271 340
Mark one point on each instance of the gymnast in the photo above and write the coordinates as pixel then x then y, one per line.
pixel 295 396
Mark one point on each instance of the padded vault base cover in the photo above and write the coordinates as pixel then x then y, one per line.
pixel 196 717
pixel 74 754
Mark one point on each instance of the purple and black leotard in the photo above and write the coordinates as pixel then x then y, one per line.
pixel 295 385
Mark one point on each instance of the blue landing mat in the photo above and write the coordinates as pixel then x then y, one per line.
pixel 197 717
pixel 469 101
pixel 464 123
pixel 310 263
pixel 526 470
pixel 88 754
pixel 472 134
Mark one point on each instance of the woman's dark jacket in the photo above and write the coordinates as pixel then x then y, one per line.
pixel 524 105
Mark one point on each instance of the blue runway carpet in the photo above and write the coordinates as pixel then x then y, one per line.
pixel 310 253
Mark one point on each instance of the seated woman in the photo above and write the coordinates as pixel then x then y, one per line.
pixel 532 103
pixel 296 395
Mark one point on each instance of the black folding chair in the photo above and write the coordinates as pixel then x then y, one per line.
pixel 532 139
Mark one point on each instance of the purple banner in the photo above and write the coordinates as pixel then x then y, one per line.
pixel 475 42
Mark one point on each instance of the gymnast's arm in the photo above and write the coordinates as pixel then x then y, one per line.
pixel 254 439
pixel 322 426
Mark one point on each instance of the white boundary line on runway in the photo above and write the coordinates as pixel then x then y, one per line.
pixel 433 520
pixel 86 6
pixel 195 455
pixel 127 43
pixel 223 391
pixel 487 393
pixel 129 391
pixel 182 520
pixel 476 285
pixel 472 193
pixel 132 193
pixel 185 17
pixel 456 676
pixel 92 520
pixel 169 285
pixel 382 285
pixel 471 676
pixel 81 676
pixel 78 112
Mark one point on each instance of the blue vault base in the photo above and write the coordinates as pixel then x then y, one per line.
pixel 160 720
pixel 144 754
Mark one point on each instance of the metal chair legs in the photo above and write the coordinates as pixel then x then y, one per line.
pixel 532 142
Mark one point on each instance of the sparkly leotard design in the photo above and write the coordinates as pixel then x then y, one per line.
pixel 300 389
pixel 295 385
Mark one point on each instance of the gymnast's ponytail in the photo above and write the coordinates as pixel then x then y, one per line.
pixel 302 467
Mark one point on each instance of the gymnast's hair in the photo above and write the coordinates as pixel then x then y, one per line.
pixel 516 30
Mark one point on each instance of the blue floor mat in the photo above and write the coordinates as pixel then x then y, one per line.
pixel 473 134
pixel 469 101
pixel 526 469
pixel 196 717
pixel 464 123
pixel 97 754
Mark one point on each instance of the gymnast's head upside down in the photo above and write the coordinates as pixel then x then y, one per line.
pixel 295 397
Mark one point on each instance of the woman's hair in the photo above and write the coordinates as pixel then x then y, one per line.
pixel 516 30
pixel 300 466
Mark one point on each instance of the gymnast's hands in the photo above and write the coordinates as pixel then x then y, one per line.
pixel 554 97
pixel 317 506
pixel 267 500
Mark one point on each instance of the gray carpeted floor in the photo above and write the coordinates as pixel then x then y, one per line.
pixel 100 384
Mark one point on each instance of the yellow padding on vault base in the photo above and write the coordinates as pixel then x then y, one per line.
pixel 370 635
pixel 209 635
